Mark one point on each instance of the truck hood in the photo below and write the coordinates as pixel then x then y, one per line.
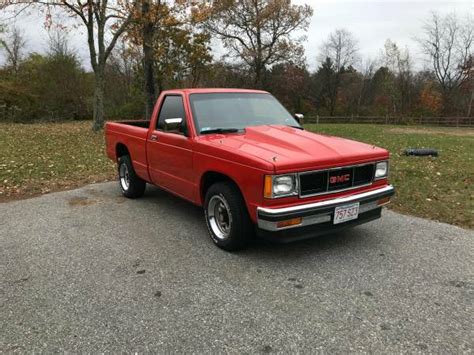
pixel 290 149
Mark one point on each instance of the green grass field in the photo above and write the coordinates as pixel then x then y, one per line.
pixel 40 158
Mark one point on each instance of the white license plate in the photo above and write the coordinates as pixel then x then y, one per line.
pixel 346 213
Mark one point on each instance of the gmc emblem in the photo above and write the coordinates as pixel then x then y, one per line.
pixel 340 178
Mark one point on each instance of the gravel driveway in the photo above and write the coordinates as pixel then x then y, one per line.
pixel 87 270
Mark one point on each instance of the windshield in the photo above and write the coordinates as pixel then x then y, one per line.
pixel 237 111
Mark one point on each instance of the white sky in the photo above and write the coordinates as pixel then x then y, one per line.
pixel 371 22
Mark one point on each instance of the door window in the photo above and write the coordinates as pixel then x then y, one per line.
pixel 172 108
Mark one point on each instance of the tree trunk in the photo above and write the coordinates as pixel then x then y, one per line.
pixel 332 108
pixel 359 98
pixel 471 101
pixel 334 92
pixel 99 93
pixel 148 32
pixel 448 107
pixel 258 77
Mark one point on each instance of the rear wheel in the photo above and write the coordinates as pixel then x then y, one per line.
pixel 131 184
pixel 227 218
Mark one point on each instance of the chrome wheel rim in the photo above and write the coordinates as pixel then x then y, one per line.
pixel 124 177
pixel 219 217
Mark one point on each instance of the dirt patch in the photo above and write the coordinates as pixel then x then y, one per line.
pixel 81 201
pixel 456 132
pixel 35 188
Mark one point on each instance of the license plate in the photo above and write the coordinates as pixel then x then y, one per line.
pixel 346 213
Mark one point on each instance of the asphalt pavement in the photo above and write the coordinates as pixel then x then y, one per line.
pixel 89 271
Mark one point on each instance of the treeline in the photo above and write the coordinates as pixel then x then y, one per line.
pixel 157 46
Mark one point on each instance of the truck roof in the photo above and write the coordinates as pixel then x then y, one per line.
pixel 216 90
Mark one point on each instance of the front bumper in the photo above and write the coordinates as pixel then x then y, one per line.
pixel 317 217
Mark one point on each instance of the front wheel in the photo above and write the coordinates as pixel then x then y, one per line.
pixel 227 218
pixel 131 184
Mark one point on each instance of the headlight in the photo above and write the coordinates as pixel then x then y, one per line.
pixel 280 186
pixel 381 170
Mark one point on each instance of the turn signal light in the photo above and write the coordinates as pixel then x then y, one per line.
pixel 267 190
pixel 383 201
pixel 289 222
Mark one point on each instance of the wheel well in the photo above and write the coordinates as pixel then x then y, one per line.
pixel 121 150
pixel 210 178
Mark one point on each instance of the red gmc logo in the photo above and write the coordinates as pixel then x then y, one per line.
pixel 340 178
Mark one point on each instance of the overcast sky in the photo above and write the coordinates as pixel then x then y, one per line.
pixel 372 23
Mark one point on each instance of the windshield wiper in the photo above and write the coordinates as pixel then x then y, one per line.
pixel 222 130
pixel 297 127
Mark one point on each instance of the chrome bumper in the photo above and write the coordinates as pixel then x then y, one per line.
pixel 320 212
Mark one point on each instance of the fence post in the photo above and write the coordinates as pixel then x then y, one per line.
pixel 317 119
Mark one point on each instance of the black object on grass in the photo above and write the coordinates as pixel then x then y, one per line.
pixel 421 152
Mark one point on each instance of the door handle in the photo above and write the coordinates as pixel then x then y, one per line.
pixel 154 137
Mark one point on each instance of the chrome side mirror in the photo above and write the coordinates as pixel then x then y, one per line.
pixel 174 125
pixel 299 117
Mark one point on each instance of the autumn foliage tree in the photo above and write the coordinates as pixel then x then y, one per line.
pixel 52 86
pixel 291 83
pixel 173 48
pixel 139 47
pixel 104 21
pixel 430 100
pixel 259 32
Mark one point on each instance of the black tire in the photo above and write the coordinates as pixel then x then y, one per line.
pixel 421 152
pixel 240 228
pixel 130 184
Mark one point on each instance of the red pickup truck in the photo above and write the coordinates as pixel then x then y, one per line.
pixel 251 165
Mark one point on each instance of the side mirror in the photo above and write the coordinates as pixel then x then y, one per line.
pixel 299 117
pixel 174 125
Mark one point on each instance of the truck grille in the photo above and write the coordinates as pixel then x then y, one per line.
pixel 333 180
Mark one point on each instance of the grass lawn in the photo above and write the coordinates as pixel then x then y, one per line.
pixel 40 158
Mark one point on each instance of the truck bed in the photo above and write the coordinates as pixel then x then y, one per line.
pixel 133 136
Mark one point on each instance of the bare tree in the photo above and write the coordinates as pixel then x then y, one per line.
pixel 398 61
pixel 338 53
pixel 342 48
pixel 367 72
pixel 105 21
pixel 14 45
pixel 148 20
pixel 260 32
pixel 58 43
pixel 123 61
pixel 448 43
pixel 469 68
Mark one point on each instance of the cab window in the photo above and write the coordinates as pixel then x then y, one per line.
pixel 172 108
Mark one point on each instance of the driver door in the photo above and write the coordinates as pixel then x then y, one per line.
pixel 170 154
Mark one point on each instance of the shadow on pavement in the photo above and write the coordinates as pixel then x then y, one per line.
pixel 180 209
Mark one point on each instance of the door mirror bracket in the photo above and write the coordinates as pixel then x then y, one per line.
pixel 174 125
pixel 299 117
